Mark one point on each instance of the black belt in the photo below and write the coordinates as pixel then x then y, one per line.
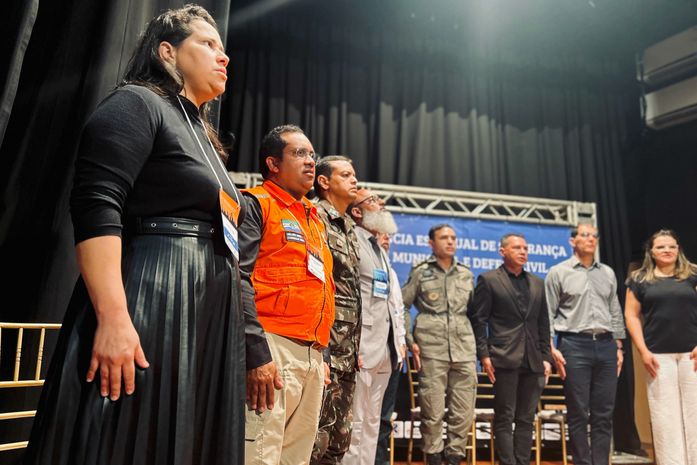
pixel 302 342
pixel 593 336
pixel 170 226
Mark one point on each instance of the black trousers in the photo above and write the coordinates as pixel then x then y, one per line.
pixel 516 393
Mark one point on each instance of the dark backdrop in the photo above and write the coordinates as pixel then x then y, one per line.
pixel 662 187
pixel 533 98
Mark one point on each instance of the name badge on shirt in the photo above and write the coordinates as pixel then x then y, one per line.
pixel 230 211
pixel 315 264
pixel 381 285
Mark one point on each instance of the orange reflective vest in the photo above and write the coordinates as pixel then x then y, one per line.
pixel 290 300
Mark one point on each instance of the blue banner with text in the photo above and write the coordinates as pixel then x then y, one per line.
pixel 477 243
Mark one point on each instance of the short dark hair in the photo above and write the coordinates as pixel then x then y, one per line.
pixel 574 231
pixel 272 145
pixel 325 167
pixel 505 237
pixel 434 229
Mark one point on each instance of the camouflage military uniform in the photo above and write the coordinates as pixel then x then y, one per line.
pixel 334 431
pixel 448 351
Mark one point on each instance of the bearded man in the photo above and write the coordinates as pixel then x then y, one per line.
pixel 380 346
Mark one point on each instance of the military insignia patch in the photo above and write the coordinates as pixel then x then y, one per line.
pixel 294 237
pixel 290 225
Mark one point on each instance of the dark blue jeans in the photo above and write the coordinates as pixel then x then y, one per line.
pixel 590 386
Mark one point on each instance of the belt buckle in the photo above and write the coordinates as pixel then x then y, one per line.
pixel 595 336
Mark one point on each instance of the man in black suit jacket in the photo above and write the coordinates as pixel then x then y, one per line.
pixel 515 353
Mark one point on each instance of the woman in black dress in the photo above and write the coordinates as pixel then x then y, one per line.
pixel 663 292
pixel 149 368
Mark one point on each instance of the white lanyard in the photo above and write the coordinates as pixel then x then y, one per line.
pixel 237 199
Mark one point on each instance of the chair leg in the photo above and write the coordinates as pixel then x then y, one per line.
pixel 562 429
pixel 474 443
pixel 492 450
pixel 391 443
pixel 538 441
pixel 410 442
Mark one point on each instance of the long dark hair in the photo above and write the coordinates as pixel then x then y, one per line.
pixel 146 68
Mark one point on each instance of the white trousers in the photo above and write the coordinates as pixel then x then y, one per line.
pixel 673 405
pixel 367 406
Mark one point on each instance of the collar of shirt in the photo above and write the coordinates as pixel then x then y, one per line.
pixel 433 261
pixel 334 214
pixel 286 199
pixel 367 236
pixel 521 275
pixel 575 262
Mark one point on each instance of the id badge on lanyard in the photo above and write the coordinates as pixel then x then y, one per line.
pixel 315 264
pixel 381 285
pixel 230 211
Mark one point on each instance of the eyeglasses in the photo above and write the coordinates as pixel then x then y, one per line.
pixel 369 200
pixel 586 235
pixel 304 153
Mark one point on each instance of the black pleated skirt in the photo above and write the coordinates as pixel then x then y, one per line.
pixel 188 406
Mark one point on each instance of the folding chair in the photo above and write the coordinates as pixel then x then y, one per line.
pixel 19 329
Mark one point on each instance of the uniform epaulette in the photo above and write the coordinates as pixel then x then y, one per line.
pixel 421 264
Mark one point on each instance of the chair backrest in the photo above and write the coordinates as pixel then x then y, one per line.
pixel 19 331
pixel 485 392
pixel 552 397
pixel 413 378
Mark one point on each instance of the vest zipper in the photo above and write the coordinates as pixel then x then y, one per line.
pixel 324 283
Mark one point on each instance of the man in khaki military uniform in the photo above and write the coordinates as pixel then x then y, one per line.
pixel 336 186
pixel 443 346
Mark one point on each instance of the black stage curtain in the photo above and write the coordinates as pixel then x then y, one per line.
pixel 426 97
pixel 661 184
pixel 466 108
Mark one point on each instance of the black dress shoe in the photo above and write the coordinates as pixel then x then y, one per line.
pixel 434 459
pixel 453 460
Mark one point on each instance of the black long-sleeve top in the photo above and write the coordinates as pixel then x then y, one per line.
pixel 138 158
pixel 258 352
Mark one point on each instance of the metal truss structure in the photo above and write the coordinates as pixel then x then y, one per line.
pixel 464 204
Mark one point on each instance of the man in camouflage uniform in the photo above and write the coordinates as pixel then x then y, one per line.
pixel 443 346
pixel 335 185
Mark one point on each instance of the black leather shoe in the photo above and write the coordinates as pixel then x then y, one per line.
pixel 434 459
pixel 453 460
